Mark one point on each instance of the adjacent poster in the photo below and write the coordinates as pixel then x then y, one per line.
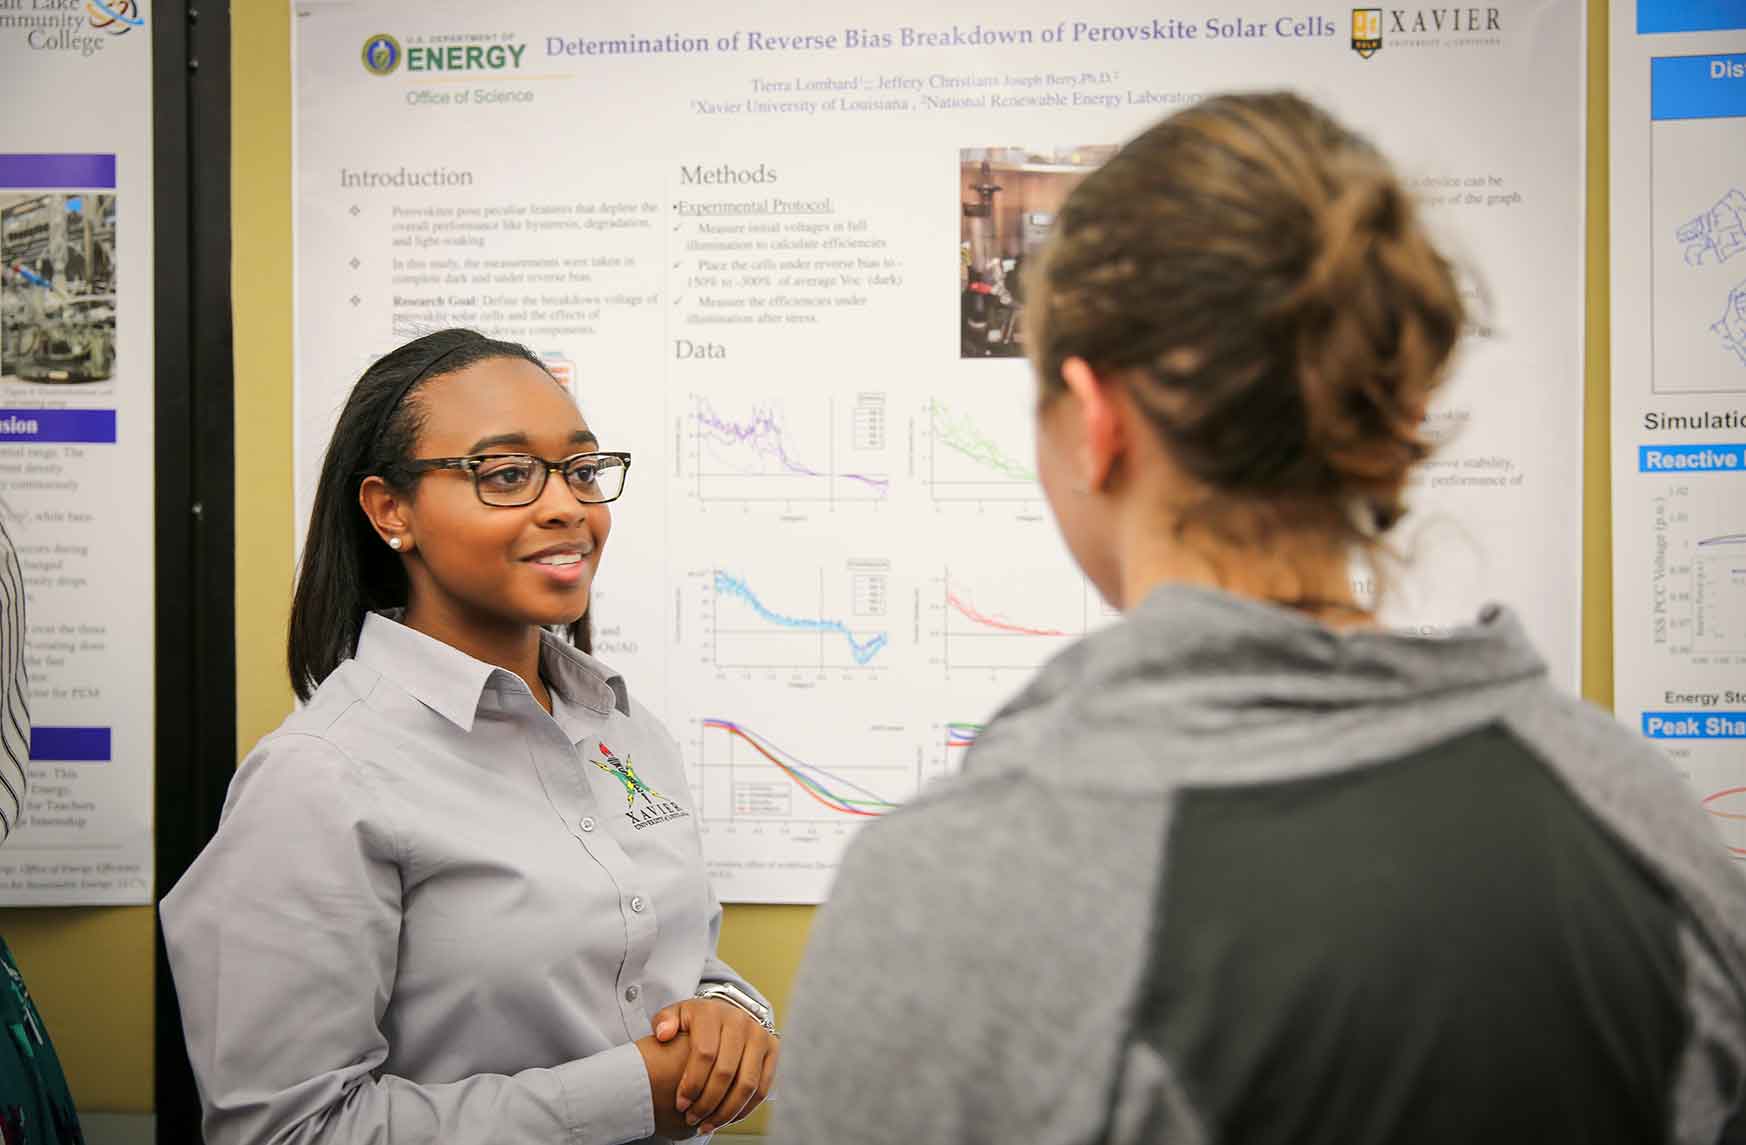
pixel 1679 390
pixel 777 252
pixel 76 417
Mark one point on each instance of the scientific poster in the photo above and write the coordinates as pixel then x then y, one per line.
pixel 1679 391
pixel 777 252
pixel 76 419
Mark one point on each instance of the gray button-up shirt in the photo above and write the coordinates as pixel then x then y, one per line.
pixel 433 913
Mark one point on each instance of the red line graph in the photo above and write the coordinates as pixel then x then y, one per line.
pixel 999 623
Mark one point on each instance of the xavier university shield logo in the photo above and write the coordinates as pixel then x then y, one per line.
pixel 1366 31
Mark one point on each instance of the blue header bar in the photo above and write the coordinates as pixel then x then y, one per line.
pixel 66 426
pixel 49 172
pixel 71 745
pixel 1697 87
pixel 1691 458
pixel 1694 725
pixel 1656 16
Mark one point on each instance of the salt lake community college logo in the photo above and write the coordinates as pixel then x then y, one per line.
pixel 1366 31
pixel 381 54
pixel 117 17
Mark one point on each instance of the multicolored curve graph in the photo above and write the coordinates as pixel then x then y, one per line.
pixel 765 438
pixel 998 623
pixel 962 734
pixel 833 791
pixel 860 650
pixel 961 435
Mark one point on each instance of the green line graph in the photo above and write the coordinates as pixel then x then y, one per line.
pixel 966 462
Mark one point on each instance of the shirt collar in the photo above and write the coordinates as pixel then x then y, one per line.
pixel 450 683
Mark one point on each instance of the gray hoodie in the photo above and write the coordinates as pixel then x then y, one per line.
pixel 1221 874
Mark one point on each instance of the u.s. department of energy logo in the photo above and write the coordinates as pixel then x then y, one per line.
pixel 1366 31
pixel 381 54
pixel 655 808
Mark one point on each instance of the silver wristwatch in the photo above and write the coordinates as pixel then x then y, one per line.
pixel 734 996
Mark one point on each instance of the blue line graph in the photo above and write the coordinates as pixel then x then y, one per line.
pixel 861 650
pixel 1724 539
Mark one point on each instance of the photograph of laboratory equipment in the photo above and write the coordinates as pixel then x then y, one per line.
pixel 57 287
pixel 1007 201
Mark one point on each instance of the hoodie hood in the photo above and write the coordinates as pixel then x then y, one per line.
pixel 1195 678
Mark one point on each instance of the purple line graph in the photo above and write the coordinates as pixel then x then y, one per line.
pixel 765 452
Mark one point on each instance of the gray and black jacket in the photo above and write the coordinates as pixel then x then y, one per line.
pixel 1222 875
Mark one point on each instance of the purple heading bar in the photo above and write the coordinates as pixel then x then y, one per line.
pixel 48 172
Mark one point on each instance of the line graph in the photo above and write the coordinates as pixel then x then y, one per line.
pixel 963 436
pixel 1001 623
pixel 747 778
pixel 968 461
pixel 826 788
pixel 795 627
pixel 789 451
pixel 1719 593
pixel 997 624
pixel 960 734
pixel 950 744
pixel 1698 572
pixel 1728 807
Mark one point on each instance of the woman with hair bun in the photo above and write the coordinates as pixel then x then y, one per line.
pixel 1246 867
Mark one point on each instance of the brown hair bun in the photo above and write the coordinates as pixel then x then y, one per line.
pixel 1258 276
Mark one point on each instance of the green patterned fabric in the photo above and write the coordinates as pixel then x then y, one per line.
pixel 36 1107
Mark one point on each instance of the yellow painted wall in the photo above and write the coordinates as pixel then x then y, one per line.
pixel 91 969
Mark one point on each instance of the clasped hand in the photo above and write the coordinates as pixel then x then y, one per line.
pixel 710 1064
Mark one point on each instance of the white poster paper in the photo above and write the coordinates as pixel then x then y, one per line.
pixel 76 424
pixel 1679 390
pixel 776 248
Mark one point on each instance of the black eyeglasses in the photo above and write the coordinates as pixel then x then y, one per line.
pixel 507 480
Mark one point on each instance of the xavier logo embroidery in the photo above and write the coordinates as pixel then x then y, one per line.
pixel 655 808
pixel 621 770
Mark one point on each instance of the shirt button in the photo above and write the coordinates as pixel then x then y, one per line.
pixel 588 824
pixel 637 904
pixel 633 993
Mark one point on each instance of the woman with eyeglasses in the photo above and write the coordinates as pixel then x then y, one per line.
pixel 458 896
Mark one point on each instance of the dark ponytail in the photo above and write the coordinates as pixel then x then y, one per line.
pixel 347 572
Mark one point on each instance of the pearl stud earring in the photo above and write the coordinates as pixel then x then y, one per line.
pixel 394 543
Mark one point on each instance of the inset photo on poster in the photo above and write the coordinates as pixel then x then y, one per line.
pixel 57 286
pixel 1008 198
